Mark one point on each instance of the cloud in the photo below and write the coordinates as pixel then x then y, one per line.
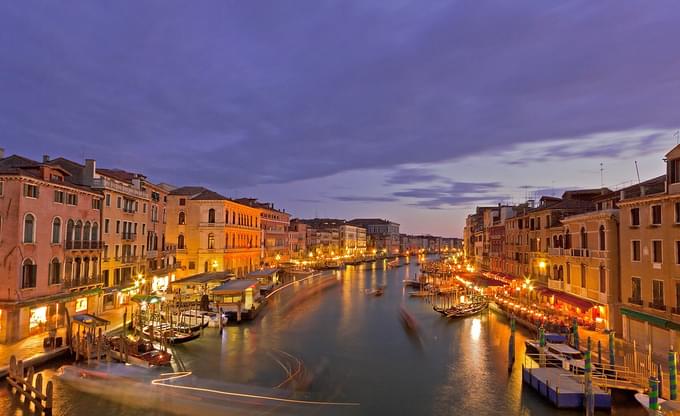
pixel 409 176
pixel 233 95
pixel 454 194
pixel 357 198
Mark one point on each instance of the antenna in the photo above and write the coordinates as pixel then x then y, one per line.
pixel 602 175
pixel 637 171
pixel 677 136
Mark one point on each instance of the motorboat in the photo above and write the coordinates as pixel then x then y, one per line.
pixel 138 352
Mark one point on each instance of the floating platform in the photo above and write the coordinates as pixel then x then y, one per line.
pixel 563 389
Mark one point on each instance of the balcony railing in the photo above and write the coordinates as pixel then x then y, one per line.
pixel 211 224
pixel 127 259
pixel 129 236
pixel 599 254
pixel 635 301
pixel 83 245
pixel 74 283
pixel 555 284
pixel 556 251
pixel 580 252
pixel 657 306
pixel 106 183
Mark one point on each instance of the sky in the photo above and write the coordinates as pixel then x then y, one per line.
pixel 408 110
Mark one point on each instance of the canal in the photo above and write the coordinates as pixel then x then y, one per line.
pixel 353 349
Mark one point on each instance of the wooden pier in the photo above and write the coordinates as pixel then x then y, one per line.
pixel 29 387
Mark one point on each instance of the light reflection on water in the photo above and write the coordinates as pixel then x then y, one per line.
pixel 354 348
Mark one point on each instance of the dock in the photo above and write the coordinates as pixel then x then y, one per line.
pixel 562 388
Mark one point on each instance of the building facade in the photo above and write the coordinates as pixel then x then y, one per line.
pixel 211 232
pixel 382 235
pixel 50 243
pixel 275 226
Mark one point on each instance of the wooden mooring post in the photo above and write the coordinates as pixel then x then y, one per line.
pixel 29 386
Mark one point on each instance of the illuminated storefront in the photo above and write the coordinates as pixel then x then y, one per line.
pixel 38 320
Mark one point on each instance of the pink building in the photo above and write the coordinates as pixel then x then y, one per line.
pixel 50 247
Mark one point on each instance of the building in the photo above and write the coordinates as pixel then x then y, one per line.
pixel 297 239
pixel 50 245
pixel 275 226
pixel 212 232
pixel 329 237
pixel 650 259
pixel 382 235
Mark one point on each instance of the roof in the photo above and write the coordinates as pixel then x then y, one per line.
pixel 263 272
pixel 209 195
pixel 204 278
pixel 119 174
pixel 366 221
pixel 19 165
pixel 198 193
pixel 188 190
pixel 238 285
pixel 89 320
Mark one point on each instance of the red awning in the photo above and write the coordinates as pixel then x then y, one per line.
pixel 567 298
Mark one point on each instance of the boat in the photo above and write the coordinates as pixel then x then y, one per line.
pixel 138 352
pixel 419 294
pixel 392 264
pixel 462 310
pixel 172 335
pixel 412 283
pixel 379 291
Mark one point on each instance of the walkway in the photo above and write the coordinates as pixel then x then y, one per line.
pixel 32 347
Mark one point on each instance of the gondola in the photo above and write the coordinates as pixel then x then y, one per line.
pixel 171 335
pixel 138 352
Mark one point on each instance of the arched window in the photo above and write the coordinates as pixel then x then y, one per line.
pixel 78 231
pixel 86 267
pixel 567 239
pixel 68 270
pixel 69 231
pixel 180 241
pixel 602 239
pixel 29 272
pixel 205 267
pixel 211 216
pixel 29 228
pixel 95 232
pixel 56 230
pixel 211 240
pixel 584 271
pixel 78 269
pixel 55 271
pixel 226 216
pixel 584 238
pixel 86 231
pixel 560 242
pixel 182 218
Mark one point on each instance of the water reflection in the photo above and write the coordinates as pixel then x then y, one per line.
pixel 354 348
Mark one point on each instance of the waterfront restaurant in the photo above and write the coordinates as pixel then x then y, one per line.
pixel 238 298
pixel 194 287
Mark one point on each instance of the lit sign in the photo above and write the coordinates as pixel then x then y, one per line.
pixel 81 304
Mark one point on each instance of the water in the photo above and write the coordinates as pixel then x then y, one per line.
pixel 354 348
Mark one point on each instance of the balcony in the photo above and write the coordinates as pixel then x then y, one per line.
pixel 106 183
pixel 580 291
pixel 83 245
pixel 76 283
pixel 602 298
pixel 635 301
pixel 599 254
pixel 129 236
pixel 555 284
pixel 675 310
pixel 127 259
pixel 129 210
pixel 580 252
pixel 657 306
pixel 211 224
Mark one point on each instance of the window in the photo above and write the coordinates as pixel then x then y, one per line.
pixel 674 170
pixel 192 265
pixel 584 238
pixel 636 292
pixel 180 242
pixel 117 226
pixel 677 212
pixel 96 203
pixel 106 226
pixel 677 252
pixel 182 201
pixel 211 216
pixel 1 186
pixel 78 232
pixel 603 280
pixel 55 272
pixel 635 248
pixel 94 235
pixel 118 202
pixel 69 230
pixel 567 240
pixel 568 266
pixel 59 197
pixel 211 241
pixel 602 238
pixel 656 214
pixel 226 216
pixel 29 228
pixel 71 199
pixel 182 218
pixel 108 200
pixel 657 292
pixel 635 217
pixel 144 208
pixel 56 230
pixel 584 272
pixel 656 251
pixel 31 191
pixel 86 231
pixel 29 272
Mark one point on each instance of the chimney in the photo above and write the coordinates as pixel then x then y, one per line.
pixel 2 152
pixel 46 158
pixel 89 172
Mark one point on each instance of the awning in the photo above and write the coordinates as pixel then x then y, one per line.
pixel 205 278
pixel 235 286
pixel 652 319
pixel 263 272
pixel 92 321
pixel 567 298
pixel 485 281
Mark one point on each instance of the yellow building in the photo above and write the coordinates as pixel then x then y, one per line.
pixel 212 232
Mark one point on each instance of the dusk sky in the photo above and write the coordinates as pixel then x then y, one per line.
pixel 416 111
